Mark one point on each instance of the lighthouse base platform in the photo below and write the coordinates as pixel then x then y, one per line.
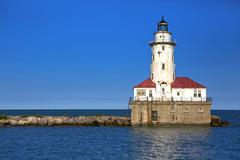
pixel 170 112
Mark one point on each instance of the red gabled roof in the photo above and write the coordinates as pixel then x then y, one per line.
pixel 185 82
pixel 148 83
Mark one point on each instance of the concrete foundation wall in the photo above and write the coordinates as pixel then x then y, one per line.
pixel 170 112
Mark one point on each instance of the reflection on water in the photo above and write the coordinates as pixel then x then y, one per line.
pixel 177 142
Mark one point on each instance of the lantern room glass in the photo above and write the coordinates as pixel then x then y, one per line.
pixel 162 28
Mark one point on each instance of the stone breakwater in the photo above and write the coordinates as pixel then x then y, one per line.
pixel 64 120
pixel 79 121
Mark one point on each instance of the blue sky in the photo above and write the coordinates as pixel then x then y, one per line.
pixel 89 54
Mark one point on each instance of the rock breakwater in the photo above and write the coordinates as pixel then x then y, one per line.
pixel 64 120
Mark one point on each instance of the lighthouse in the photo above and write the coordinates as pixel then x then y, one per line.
pixel 163 97
pixel 162 66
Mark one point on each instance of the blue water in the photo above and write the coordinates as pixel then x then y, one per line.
pixel 139 143
pixel 64 112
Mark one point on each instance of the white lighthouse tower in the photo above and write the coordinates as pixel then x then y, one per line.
pixel 163 67
pixel 162 83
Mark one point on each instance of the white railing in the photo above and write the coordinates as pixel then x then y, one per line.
pixel 170 99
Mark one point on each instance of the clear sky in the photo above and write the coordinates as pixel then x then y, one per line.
pixel 89 54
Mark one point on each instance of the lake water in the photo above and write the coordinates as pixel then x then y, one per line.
pixel 138 143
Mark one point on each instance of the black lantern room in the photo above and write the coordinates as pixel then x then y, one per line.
pixel 162 25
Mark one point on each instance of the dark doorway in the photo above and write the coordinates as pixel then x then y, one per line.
pixel 154 115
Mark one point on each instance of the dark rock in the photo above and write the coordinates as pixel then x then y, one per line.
pixel 217 122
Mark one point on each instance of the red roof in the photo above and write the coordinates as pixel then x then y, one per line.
pixel 185 82
pixel 148 83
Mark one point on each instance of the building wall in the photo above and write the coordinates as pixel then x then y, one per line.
pixel 163 37
pixel 162 56
pixel 147 96
pixel 170 112
pixel 185 94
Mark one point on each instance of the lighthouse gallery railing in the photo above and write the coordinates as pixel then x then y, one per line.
pixel 201 99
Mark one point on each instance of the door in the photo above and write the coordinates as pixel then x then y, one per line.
pixel 154 115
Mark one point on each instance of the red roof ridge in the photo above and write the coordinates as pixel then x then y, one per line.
pixel 148 83
pixel 186 82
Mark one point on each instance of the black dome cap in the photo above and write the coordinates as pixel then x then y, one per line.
pixel 162 22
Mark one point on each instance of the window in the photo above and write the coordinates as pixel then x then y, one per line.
pixel 178 93
pixel 150 93
pixel 200 109
pixel 185 109
pixel 153 57
pixel 173 76
pixel 172 57
pixel 195 93
pixel 159 53
pixel 141 92
pixel 163 90
pixel 163 66
pixel 163 48
pixel 152 76
pixel 199 93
